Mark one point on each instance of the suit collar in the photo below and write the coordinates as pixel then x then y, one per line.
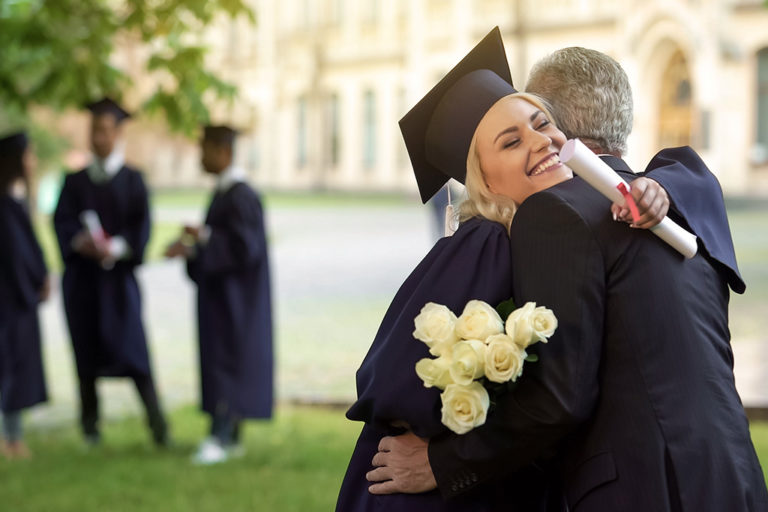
pixel 615 163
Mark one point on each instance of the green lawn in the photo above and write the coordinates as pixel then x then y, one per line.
pixel 294 463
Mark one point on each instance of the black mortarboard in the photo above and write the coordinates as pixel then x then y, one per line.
pixel 439 129
pixel 222 135
pixel 13 145
pixel 108 106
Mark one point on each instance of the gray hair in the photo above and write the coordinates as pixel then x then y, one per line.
pixel 588 94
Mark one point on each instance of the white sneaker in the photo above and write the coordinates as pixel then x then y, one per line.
pixel 210 452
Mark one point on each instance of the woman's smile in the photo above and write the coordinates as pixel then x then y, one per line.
pixel 548 163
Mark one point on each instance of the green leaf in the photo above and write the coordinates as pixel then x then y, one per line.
pixel 505 309
pixel 531 358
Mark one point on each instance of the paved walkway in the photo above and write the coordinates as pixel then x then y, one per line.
pixel 334 273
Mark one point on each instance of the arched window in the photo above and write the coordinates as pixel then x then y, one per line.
pixel 676 105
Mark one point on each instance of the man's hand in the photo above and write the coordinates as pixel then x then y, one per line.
pixel 84 244
pixel 177 248
pixel 45 290
pixel 193 232
pixel 402 465
pixel 652 202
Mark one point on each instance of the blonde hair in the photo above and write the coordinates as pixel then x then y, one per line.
pixel 481 202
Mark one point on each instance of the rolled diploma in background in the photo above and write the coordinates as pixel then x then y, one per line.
pixel 90 220
pixel 599 174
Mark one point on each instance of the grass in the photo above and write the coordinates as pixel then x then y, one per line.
pixel 294 463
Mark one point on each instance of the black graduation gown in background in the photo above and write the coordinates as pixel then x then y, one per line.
pixel 103 307
pixel 234 310
pixel 472 264
pixel 22 274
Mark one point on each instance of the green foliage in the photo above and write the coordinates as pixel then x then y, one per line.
pixel 58 53
pixel 505 309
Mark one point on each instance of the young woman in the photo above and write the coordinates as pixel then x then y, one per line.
pixel 23 285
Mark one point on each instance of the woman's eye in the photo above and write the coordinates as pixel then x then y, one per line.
pixel 511 143
pixel 543 124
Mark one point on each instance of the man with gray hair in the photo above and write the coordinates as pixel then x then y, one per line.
pixel 589 95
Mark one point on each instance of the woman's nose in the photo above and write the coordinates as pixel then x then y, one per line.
pixel 541 141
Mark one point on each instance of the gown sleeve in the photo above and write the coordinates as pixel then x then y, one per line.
pixel 472 264
pixel 695 195
pixel 236 241
pixel 22 262
pixel 137 221
pixel 65 219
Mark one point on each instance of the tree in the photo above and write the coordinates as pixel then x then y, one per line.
pixel 57 53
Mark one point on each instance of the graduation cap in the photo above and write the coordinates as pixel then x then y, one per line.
pixel 108 106
pixel 13 145
pixel 220 135
pixel 439 129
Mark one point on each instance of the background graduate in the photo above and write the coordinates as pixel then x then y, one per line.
pixel 102 300
pixel 23 285
pixel 227 259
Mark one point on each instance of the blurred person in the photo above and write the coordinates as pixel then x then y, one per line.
pixel 633 397
pixel 227 258
pixel 24 284
pixel 102 223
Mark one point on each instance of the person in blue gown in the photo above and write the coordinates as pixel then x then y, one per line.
pixel 24 284
pixel 227 258
pixel 102 225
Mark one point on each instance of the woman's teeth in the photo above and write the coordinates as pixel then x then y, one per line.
pixel 545 165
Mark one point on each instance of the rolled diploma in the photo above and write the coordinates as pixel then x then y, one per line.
pixel 598 174
pixel 90 220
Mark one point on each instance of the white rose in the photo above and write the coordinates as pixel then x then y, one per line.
pixel 519 325
pixel 467 361
pixel 464 407
pixel 434 372
pixel 503 359
pixel 544 323
pixel 435 327
pixel 478 321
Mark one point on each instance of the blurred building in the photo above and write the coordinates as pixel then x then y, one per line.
pixel 324 82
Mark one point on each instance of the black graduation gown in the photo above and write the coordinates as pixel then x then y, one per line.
pixel 103 307
pixel 234 310
pixel 472 264
pixel 22 274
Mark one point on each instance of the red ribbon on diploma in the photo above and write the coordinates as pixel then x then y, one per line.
pixel 630 201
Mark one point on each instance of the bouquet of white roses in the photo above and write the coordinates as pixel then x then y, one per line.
pixel 476 351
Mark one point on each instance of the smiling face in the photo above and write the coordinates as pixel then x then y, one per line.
pixel 518 147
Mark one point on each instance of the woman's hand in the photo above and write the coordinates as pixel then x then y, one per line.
pixel 652 203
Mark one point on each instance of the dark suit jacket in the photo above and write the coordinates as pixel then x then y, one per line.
pixel 635 392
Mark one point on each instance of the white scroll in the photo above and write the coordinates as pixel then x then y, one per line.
pixel 600 175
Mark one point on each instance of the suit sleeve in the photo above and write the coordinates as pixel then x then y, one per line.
pixel 557 263
pixel 237 243
pixel 696 196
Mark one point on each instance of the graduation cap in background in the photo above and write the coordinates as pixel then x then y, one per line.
pixel 439 129
pixel 108 106
pixel 220 134
pixel 13 145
